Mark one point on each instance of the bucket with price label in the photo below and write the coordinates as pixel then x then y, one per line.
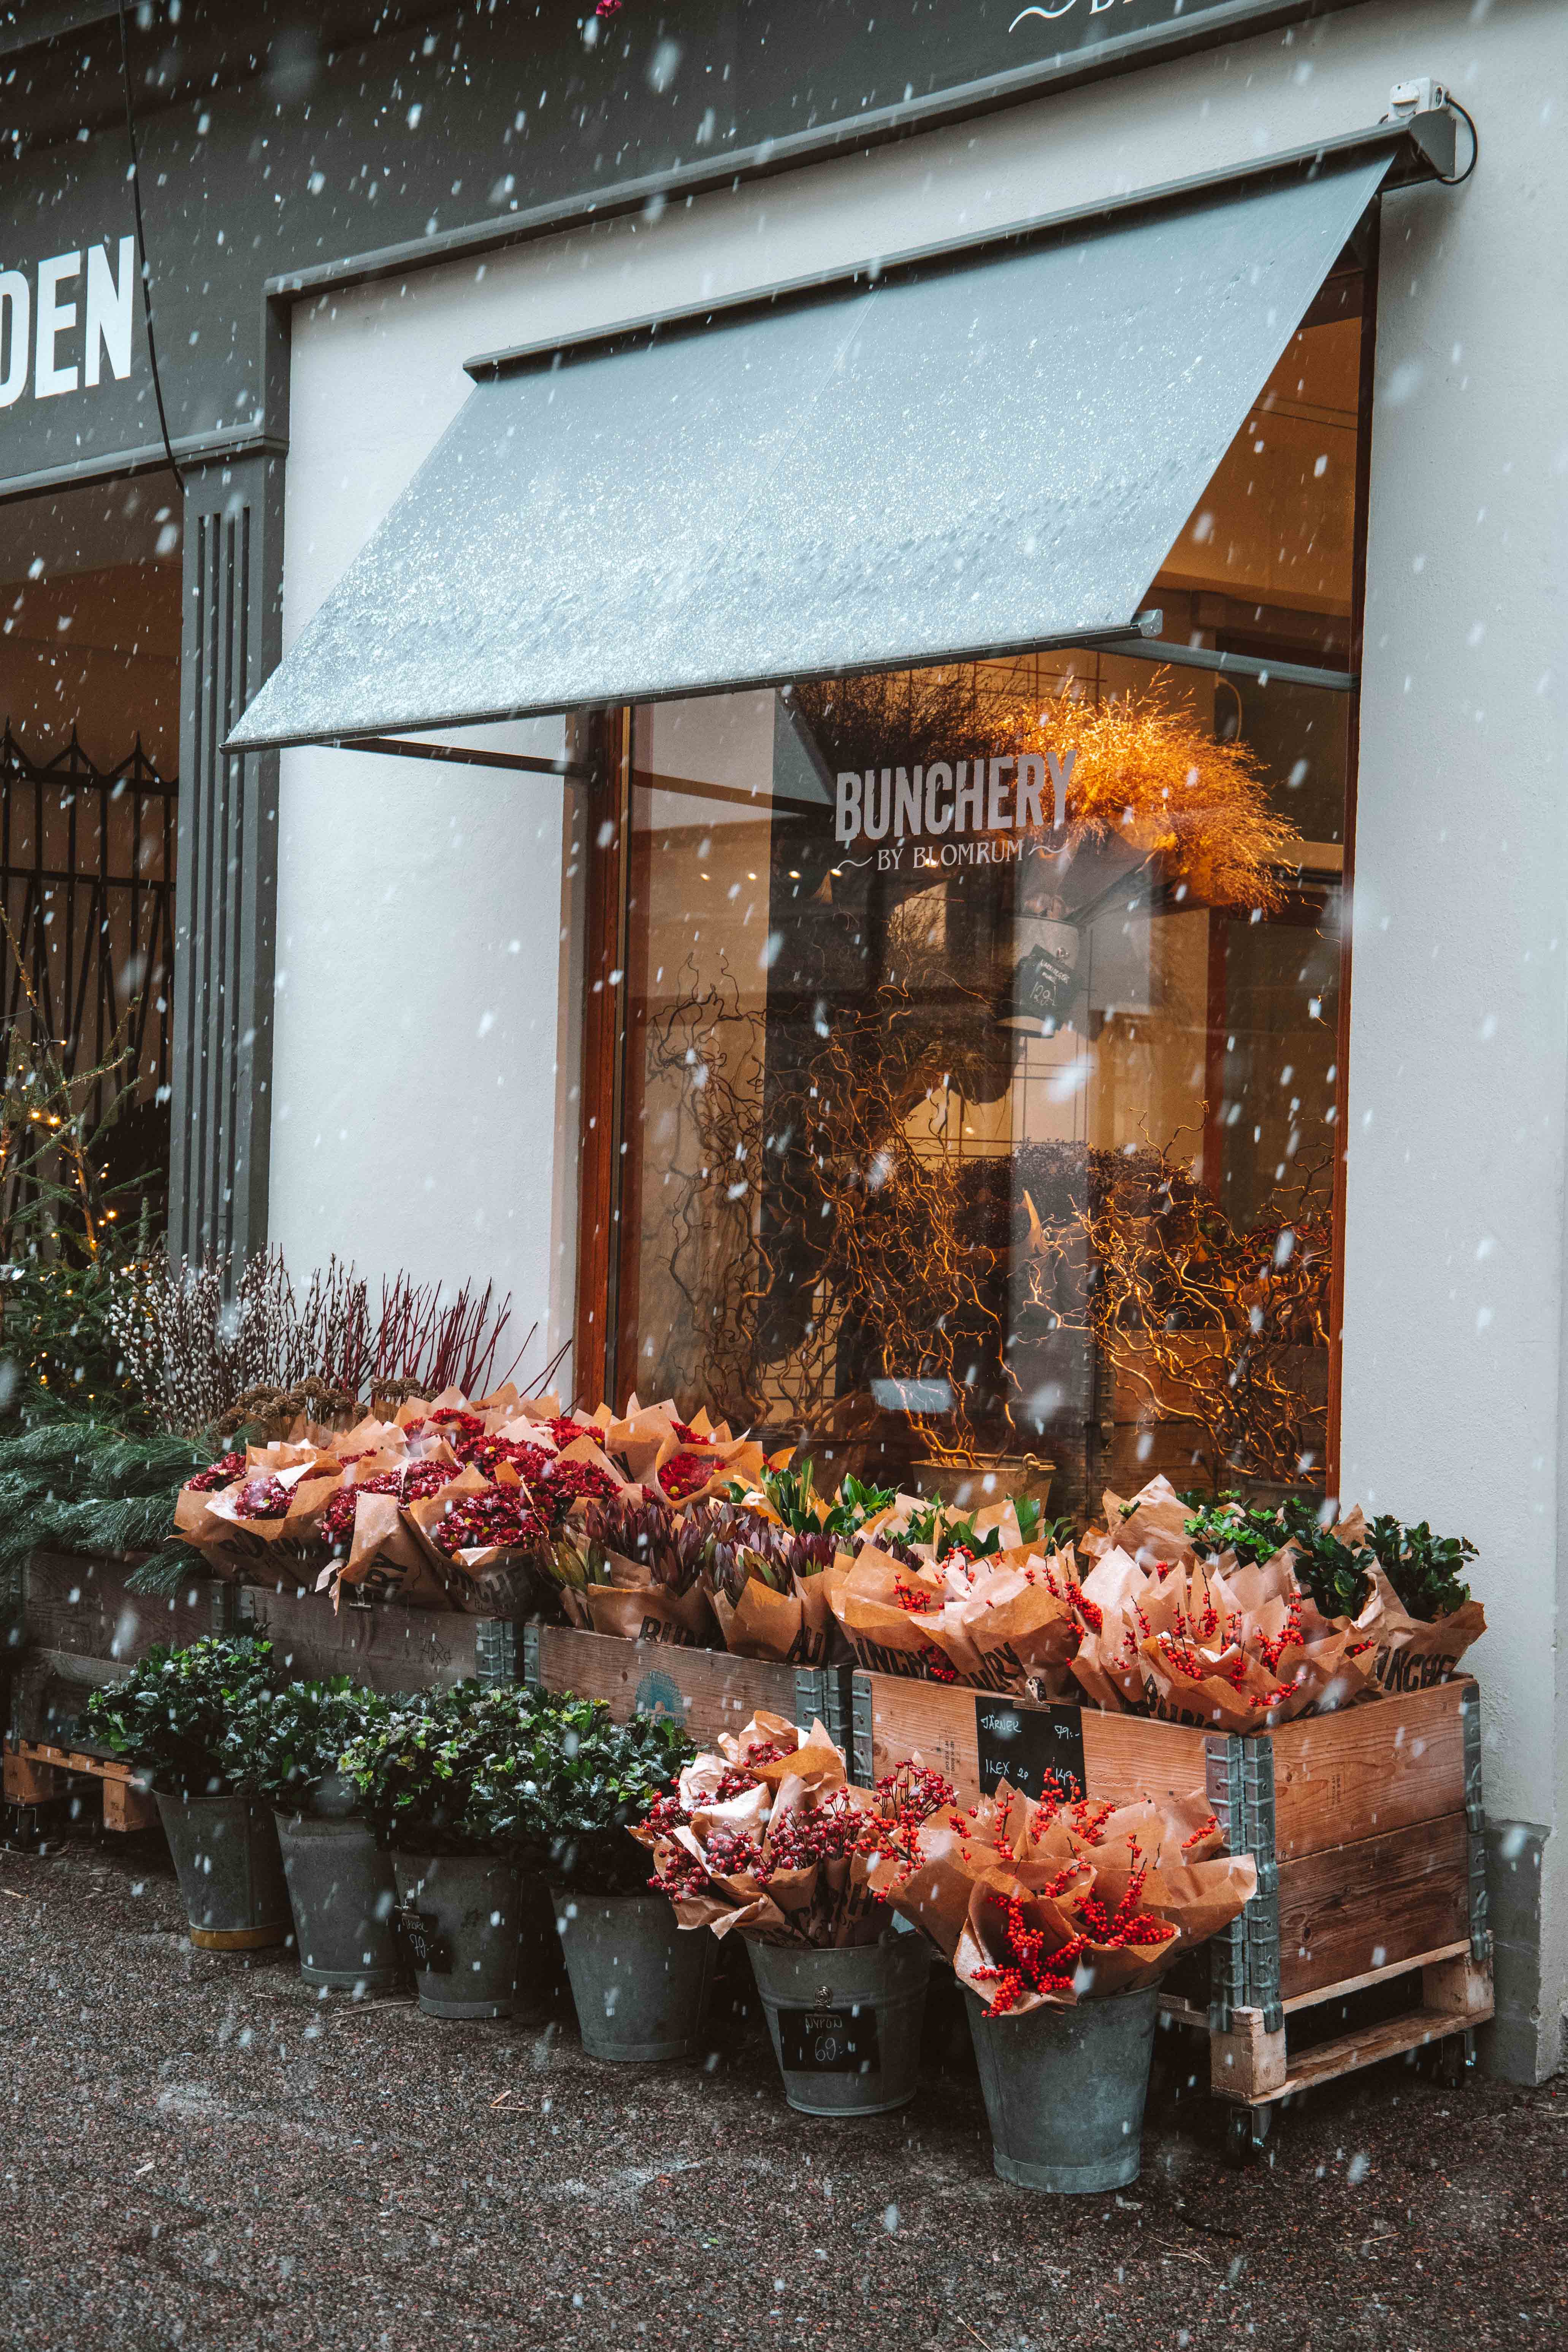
pixel 845 2024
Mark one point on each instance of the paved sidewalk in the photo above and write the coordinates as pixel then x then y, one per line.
pixel 197 2152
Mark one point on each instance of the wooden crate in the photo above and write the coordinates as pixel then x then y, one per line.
pixel 1366 1825
pixel 82 1629
pixel 383 1647
pixel 708 1691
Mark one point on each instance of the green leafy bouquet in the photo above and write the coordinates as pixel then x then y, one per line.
pixel 1426 1571
pixel 173 1714
pixel 281 1745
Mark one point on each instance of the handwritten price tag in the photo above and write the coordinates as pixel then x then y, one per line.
pixel 1022 1744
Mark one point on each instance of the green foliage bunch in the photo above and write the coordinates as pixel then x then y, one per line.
pixel 587 1779
pixel 441 1772
pixel 82 1484
pixel 1426 1571
pixel 172 1713
pixel 946 1530
pixel 282 1744
pixel 549 1780
pixel 793 1494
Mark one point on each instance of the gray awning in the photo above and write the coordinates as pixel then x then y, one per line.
pixel 966 455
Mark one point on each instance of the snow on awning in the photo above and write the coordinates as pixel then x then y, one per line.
pixel 968 452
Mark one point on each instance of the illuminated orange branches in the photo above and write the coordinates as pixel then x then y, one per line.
pixel 1148 773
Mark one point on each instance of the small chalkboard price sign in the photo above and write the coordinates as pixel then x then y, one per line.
pixel 829 2041
pixel 428 1953
pixel 1021 1744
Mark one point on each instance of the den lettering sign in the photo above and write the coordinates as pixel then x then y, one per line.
pixel 67 322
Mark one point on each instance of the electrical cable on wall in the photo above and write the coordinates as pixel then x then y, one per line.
pixel 1459 178
pixel 141 248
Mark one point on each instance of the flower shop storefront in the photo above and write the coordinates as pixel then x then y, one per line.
pixel 888 771
pixel 966 1049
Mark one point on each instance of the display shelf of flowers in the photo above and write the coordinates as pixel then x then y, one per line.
pixel 486 1840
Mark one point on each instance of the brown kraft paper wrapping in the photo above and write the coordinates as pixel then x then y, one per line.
pixel 790 1628
pixel 1408 1652
pixel 634 1607
pixel 1058 1863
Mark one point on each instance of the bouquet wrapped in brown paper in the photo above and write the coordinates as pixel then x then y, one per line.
pixel 1231 1645
pixel 1004 1621
pixel 767 1837
pixel 766 1582
pixel 1411 1653
pixel 681 1462
pixel 1051 1903
pixel 632 1566
pixel 493 1541
pixel 276 1501
pixel 384 1559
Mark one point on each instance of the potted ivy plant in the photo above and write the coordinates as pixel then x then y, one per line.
pixel 172 1716
pixel 640 1986
pixel 439 1778
pixel 284 1747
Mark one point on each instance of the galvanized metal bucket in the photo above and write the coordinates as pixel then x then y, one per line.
pixel 846 2025
pixel 230 1871
pixel 639 1982
pixel 481 1936
pixel 341 1885
pixel 1065 2090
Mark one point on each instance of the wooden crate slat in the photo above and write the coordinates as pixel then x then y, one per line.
pixel 706 1690
pixel 1458 1950
pixel 1347 2052
pixel 1371 1906
pixel 385 1647
pixel 1341 1778
pixel 1125 1757
pixel 81 1606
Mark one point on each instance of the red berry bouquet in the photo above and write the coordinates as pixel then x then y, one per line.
pixel 959 1605
pixel 1060 1901
pixel 1202 1634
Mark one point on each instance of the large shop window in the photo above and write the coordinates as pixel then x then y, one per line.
pixel 981 1064
pixel 963 977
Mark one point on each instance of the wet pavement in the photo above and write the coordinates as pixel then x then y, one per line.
pixel 200 2152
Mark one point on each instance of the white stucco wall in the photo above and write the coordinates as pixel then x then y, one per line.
pixel 421 1076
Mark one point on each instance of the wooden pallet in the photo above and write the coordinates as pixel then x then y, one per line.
pixel 1366 1825
pixel 37 1773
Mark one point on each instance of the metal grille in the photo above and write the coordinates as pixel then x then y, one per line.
pixel 87 869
